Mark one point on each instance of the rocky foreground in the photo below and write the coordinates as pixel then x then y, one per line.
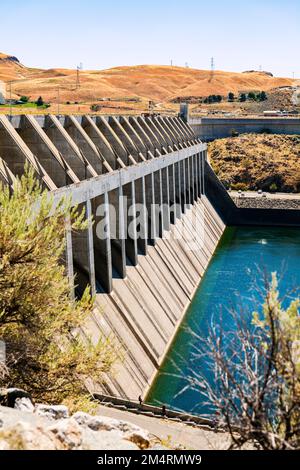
pixel 28 426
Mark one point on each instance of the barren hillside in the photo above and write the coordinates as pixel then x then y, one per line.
pixel 146 82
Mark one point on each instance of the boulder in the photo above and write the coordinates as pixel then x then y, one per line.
pixel 24 404
pixel 52 411
pixel 49 427
pixel 8 396
pixel 26 436
pixel 105 440
pixel 126 430
pixel 67 434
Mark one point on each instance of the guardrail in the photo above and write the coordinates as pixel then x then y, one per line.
pixel 157 412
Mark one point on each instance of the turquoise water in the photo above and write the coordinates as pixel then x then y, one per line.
pixel 229 282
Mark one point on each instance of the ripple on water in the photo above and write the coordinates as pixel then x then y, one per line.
pixel 227 283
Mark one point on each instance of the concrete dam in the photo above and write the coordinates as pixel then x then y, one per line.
pixel 156 214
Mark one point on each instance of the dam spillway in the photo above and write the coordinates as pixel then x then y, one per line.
pixel 153 232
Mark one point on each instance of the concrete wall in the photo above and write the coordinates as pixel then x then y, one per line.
pixel 208 129
pixel 145 309
pixel 144 278
pixel 245 216
pixel 2 92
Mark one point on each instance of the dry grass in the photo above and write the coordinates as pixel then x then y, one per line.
pixel 146 82
pixel 258 161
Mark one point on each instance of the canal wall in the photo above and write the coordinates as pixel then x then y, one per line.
pixel 208 129
pixel 249 211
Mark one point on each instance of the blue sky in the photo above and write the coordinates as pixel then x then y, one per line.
pixel 239 35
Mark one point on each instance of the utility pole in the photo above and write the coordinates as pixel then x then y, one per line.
pixel 10 83
pixel 58 101
pixel 10 100
pixel 77 78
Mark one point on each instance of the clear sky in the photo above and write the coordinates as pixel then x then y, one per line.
pixel 240 35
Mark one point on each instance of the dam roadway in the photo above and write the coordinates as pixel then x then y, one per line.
pixel 158 212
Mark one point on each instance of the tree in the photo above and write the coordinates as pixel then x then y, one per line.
pixel 47 354
pixel 262 96
pixel 25 99
pixel 213 99
pixel 231 97
pixel 243 97
pixel 252 96
pixel 255 392
pixel 95 107
pixel 39 101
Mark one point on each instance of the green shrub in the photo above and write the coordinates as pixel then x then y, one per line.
pixel 239 186
pixel 273 188
pixel 24 99
pixel 39 322
pixel 234 133
pixel 39 101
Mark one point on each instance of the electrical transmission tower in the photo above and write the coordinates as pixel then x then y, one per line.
pixel 212 69
pixel 79 68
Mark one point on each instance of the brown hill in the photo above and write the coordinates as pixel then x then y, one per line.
pixel 147 82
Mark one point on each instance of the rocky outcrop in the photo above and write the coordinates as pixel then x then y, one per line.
pixel 23 430
pixel 9 58
pixel 26 426
pixel 11 396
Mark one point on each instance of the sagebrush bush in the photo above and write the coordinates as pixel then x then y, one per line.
pixel 47 353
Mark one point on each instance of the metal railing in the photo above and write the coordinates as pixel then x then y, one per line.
pixel 161 412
